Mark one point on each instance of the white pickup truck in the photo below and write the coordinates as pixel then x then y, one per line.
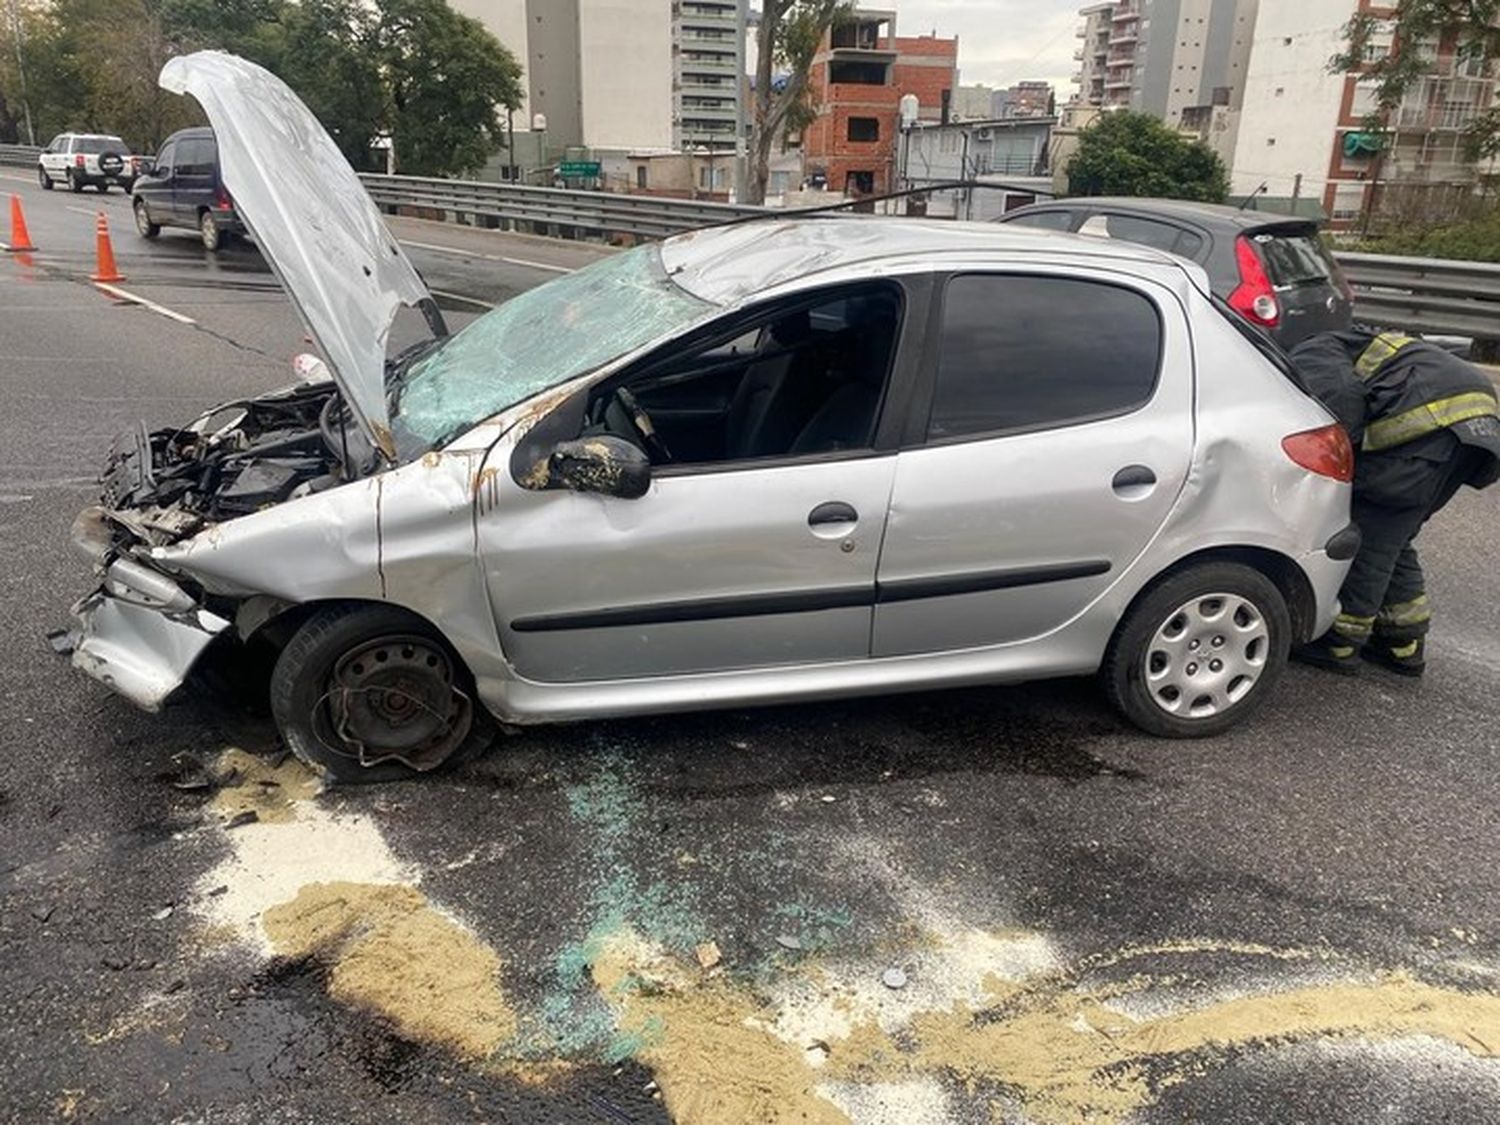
pixel 77 159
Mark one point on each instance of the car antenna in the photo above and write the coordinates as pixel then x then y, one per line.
pixel 829 208
pixel 1249 199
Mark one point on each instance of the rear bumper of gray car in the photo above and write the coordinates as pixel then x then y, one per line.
pixel 140 634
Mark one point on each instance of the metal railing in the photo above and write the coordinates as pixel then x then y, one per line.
pixel 1430 295
pixel 19 154
pixel 582 213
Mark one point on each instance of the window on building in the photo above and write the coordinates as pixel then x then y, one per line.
pixel 859 73
pixel 859 183
pixel 1270 142
pixel 864 128
pixel 640 175
pixel 1022 353
pixel 1348 201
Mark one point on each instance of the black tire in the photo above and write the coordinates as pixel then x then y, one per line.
pixel 1143 650
pixel 143 224
pixel 209 231
pixel 304 684
pixel 44 179
pixel 75 185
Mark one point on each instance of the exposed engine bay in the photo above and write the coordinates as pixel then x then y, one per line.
pixel 237 458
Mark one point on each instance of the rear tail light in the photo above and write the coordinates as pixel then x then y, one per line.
pixel 78 160
pixel 1253 298
pixel 1325 451
pixel 221 199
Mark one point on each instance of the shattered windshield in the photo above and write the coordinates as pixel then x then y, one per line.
pixel 537 340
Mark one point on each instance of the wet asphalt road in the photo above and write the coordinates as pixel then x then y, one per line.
pixel 1298 921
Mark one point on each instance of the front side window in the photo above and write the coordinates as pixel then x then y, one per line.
pixel 1024 352
pixel 165 157
pixel 1044 220
pixel 538 339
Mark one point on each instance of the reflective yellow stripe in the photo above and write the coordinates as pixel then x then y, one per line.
pixel 1405 652
pixel 1381 349
pixel 1413 612
pixel 1428 418
pixel 1355 628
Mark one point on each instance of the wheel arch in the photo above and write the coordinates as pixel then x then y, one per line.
pixel 262 619
pixel 1296 588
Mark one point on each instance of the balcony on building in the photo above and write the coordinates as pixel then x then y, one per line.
pixel 1125 33
pixel 706 12
pixel 860 48
pixel 700 62
pixel 1120 81
pixel 1126 9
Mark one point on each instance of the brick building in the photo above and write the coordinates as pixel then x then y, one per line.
pixel 859 75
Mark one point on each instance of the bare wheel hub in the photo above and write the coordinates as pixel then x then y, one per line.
pixel 1207 656
pixel 395 698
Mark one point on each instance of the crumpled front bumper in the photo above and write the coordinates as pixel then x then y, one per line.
pixel 140 633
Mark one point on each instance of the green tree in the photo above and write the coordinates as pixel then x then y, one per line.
pixel 446 77
pixel 786 39
pixel 1470 29
pixel 1126 153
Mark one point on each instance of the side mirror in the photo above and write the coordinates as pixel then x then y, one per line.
pixel 606 464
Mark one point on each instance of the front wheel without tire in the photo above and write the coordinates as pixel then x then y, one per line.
pixel 1199 652
pixel 208 230
pixel 372 693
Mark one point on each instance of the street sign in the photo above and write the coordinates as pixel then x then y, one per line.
pixel 578 169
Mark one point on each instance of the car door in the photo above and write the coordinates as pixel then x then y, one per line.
pixel 731 564
pixel 54 156
pixel 193 183
pixel 156 186
pixel 1054 440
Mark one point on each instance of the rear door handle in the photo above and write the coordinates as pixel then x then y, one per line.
pixel 1133 478
pixel 833 511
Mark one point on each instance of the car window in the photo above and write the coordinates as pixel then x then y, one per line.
pixel 1022 352
pixel 164 158
pixel 95 145
pixel 1295 259
pixel 58 143
pixel 1045 220
pixel 1146 232
pixel 195 156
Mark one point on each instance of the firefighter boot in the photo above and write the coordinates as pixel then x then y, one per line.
pixel 1330 652
pixel 1405 658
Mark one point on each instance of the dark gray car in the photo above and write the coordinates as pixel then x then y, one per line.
pixel 184 188
pixel 1272 269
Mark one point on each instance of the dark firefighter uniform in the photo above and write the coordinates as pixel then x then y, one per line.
pixel 1423 423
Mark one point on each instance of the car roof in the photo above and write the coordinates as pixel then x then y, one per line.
pixel 1211 215
pixel 724 264
pixel 191 131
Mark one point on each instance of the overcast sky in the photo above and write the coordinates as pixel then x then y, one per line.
pixel 1000 42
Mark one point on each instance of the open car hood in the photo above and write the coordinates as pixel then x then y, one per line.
pixel 312 219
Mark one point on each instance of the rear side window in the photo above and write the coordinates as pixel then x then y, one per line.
pixel 195 156
pixel 1021 353
pixel 1046 220
pixel 1295 259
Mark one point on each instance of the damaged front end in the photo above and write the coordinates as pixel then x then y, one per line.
pixel 147 624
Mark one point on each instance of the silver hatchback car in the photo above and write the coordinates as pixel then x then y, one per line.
pixel 777 461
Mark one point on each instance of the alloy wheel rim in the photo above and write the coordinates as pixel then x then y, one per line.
pixel 1207 656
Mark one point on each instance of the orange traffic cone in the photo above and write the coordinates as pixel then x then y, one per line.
pixel 20 237
pixel 106 270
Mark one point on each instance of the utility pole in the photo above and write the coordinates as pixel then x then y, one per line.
pixel 741 92
pixel 15 21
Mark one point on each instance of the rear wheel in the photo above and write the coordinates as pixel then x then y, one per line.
pixel 44 179
pixel 75 184
pixel 1200 652
pixel 143 222
pixel 373 693
pixel 209 231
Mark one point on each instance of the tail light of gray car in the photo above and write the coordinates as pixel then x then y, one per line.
pixel 1326 451
pixel 1254 298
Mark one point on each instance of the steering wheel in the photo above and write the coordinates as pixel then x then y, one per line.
pixel 641 422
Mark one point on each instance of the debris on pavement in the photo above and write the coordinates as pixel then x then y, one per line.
pixel 893 978
pixel 163 914
pixel 62 641
pixel 788 941
pixel 708 954
pixel 239 820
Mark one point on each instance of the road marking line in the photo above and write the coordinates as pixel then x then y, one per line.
pixel 79 210
pixel 461 297
pixel 19 179
pixel 528 263
pixel 170 314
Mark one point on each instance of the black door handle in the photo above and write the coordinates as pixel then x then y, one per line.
pixel 833 511
pixel 1133 476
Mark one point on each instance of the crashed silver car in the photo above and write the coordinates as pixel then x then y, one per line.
pixel 775 461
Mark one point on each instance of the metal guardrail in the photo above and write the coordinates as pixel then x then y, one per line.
pixel 1416 294
pixel 1432 295
pixel 592 213
pixel 24 155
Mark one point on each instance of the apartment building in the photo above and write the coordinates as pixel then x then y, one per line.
pixel 1164 56
pixel 984 103
pixel 708 49
pixel 860 73
pixel 1307 132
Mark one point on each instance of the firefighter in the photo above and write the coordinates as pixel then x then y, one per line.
pixel 1423 423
